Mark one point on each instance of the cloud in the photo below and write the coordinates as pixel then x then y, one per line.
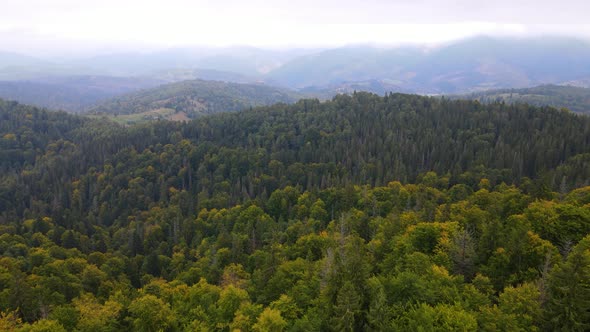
pixel 27 23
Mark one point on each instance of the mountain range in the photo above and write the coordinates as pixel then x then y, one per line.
pixel 474 64
pixel 462 67
pixel 73 93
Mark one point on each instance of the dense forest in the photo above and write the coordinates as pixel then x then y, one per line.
pixel 576 99
pixel 360 213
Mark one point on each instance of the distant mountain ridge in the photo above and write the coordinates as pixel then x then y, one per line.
pixel 471 65
pixel 78 93
pixel 11 59
pixel 72 93
pixel 468 65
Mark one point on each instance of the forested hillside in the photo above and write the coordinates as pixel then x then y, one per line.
pixel 196 98
pixel 574 98
pixel 361 213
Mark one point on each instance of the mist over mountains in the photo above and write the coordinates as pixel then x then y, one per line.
pixel 474 64
pixel 470 65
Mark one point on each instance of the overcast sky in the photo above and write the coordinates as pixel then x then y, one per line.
pixel 58 26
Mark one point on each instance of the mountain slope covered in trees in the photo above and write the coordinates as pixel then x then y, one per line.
pixel 360 213
pixel 574 98
pixel 197 97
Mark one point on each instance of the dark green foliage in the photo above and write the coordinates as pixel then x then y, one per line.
pixel 231 158
pixel 568 308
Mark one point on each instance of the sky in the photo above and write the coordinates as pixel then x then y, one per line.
pixel 79 26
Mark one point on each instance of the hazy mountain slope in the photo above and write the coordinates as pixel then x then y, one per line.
pixel 10 59
pixel 464 66
pixel 580 82
pixel 197 97
pixel 14 66
pixel 472 64
pixel 573 98
pixel 72 93
pixel 78 92
pixel 346 64
pixel 488 62
pixel 248 61
pixel 186 74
